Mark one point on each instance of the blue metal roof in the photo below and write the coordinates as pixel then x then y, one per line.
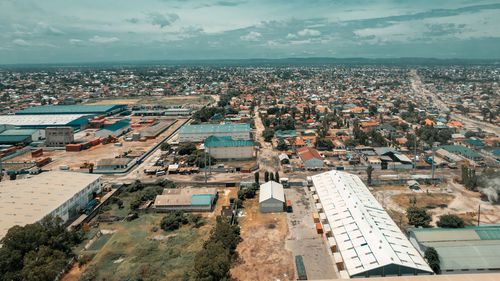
pixel 201 199
pixel 71 109
pixel 226 141
pixel 116 126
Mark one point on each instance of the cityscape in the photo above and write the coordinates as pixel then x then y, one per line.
pixel 262 162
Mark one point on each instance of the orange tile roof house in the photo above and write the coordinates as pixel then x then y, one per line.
pixel 310 157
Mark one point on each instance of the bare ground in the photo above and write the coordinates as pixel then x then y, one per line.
pixel 262 254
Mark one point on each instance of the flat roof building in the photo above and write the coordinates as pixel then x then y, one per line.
pixel 186 199
pixel 367 241
pixel 73 109
pixel 55 193
pixel 198 133
pixel 77 121
pixel 227 148
pixel 470 249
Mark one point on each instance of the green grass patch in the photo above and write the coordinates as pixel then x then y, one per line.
pixel 100 242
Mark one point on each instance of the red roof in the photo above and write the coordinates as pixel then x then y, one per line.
pixel 307 153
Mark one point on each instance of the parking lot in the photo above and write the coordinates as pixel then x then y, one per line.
pixel 303 239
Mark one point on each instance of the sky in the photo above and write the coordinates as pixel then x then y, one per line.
pixel 66 31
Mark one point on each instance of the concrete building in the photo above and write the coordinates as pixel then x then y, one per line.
pixel 186 199
pixel 117 129
pixel 309 157
pixel 59 136
pixel 227 148
pixel 470 249
pixel 198 133
pixel 77 121
pixel 366 242
pixel 55 193
pixel 271 197
pixel 113 163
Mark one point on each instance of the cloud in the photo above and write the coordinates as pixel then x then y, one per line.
pixel 75 41
pixel 252 36
pixel 103 40
pixel 21 42
pixel 229 3
pixel 309 32
pixel 291 36
pixel 132 20
pixel 163 20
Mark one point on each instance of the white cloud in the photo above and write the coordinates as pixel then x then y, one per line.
pixel 291 36
pixel 163 20
pixel 103 40
pixel 309 32
pixel 21 42
pixel 252 36
pixel 75 41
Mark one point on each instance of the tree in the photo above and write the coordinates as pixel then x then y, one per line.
pixel 271 176
pixel 432 258
pixel 165 146
pixel 266 176
pixel 173 220
pixel 197 158
pixel 418 216
pixel 369 172
pixel 256 175
pixel 277 176
pixel 451 221
pixel 324 143
pixel 13 176
pixel 268 134
pixel 186 149
pixel 281 145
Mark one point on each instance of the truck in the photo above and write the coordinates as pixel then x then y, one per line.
pixel 288 206
pixel 301 269
pixel 91 205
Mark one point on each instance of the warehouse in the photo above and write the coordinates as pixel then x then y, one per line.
pixel 186 199
pixel 59 136
pixel 33 134
pixel 198 133
pixel 113 163
pixel 271 197
pixel 470 249
pixel 55 193
pixel 77 121
pixel 73 109
pixel 116 129
pixel 227 148
pixel 367 243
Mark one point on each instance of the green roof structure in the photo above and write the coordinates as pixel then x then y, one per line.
pixel 72 109
pixel 19 132
pixel 459 249
pixel 462 150
pixel 201 199
pixel 214 141
pixel 13 139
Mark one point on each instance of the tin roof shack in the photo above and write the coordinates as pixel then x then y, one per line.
pixel 369 243
pixel 113 163
pixel 186 199
pixel 470 249
pixel 271 197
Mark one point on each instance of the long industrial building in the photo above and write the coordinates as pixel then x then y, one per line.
pixel 365 240
pixel 77 121
pixel 227 148
pixel 186 199
pixel 198 133
pixel 55 193
pixel 73 109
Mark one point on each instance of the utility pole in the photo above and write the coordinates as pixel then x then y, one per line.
pixel 209 162
pixel 433 152
pixel 478 214
pixel 205 154
pixel 415 152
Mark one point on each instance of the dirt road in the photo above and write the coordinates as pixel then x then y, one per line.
pixel 268 159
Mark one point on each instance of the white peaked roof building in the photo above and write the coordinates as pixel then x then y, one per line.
pixel 271 197
pixel 367 241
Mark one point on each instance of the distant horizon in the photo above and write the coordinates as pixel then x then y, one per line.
pixel 284 60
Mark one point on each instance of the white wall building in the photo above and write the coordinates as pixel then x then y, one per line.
pixel 55 193
pixel 227 148
pixel 367 241
pixel 198 133
pixel 271 197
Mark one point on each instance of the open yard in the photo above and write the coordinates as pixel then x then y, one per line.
pixel 262 254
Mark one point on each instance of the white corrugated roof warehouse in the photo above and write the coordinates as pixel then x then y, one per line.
pixel 58 193
pixel 368 240
pixel 271 197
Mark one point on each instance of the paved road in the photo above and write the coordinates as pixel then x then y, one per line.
pixel 419 88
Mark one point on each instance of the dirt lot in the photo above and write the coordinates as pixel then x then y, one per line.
pixel 262 254
pixel 94 154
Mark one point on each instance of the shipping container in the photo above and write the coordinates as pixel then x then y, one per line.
pixel 319 228
pixel 43 161
pixel 289 206
pixel 37 153
pixel 315 217
pixel 73 147
pixel 301 269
